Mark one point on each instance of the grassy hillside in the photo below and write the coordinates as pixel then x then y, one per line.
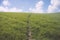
pixel 43 26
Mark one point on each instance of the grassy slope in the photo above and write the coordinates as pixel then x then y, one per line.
pixel 43 26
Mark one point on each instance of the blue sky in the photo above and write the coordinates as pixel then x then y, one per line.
pixel 26 4
pixel 30 5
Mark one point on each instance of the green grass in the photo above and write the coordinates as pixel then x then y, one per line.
pixel 43 26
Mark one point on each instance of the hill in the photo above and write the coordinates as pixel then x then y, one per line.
pixel 13 26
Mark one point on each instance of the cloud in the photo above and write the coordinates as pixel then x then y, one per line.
pixel 3 9
pixel 6 9
pixel 14 9
pixel 6 3
pixel 54 6
pixel 38 7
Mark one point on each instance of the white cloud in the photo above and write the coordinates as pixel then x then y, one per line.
pixel 6 3
pixel 6 9
pixel 14 9
pixel 3 9
pixel 38 7
pixel 54 6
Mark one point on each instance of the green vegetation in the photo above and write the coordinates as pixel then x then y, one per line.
pixel 43 26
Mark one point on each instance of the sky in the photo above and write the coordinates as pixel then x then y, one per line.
pixel 35 6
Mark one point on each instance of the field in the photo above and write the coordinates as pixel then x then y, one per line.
pixel 13 26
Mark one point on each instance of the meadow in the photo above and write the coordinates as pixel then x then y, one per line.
pixel 13 26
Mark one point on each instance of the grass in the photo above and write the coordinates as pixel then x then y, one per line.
pixel 43 26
